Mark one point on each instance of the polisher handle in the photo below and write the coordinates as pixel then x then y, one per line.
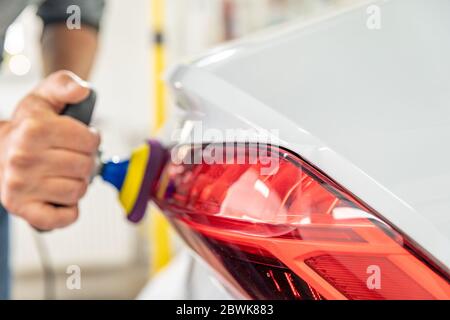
pixel 83 110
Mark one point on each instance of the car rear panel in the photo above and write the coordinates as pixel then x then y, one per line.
pixel 369 108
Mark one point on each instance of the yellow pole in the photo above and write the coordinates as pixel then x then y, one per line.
pixel 159 227
pixel 157 16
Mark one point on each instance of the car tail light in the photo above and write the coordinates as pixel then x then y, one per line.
pixel 290 234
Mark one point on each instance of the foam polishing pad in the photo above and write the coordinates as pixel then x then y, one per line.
pixel 135 178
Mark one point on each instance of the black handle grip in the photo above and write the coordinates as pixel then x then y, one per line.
pixel 83 110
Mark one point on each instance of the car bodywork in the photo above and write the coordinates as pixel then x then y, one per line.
pixel 369 108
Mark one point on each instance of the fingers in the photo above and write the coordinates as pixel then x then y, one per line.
pixel 61 191
pixel 61 88
pixel 38 209
pixel 73 135
pixel 19 189
pixel 67 164
pixel 33 106
pixel 24 159
pixel 37 133
pixel 44 216
pixel 38 120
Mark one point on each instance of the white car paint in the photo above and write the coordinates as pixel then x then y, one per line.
pixel 371 108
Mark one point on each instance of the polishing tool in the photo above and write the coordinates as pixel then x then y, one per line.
pixel 135 178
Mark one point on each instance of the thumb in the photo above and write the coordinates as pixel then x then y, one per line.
pixel 61 88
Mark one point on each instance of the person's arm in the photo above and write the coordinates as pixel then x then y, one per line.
pixel 70 49
pixel 64 49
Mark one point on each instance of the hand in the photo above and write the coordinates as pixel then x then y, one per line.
pixel 46 159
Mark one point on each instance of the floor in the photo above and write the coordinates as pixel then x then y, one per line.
pixel 123 282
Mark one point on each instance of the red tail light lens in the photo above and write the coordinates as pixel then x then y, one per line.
pixel 289 234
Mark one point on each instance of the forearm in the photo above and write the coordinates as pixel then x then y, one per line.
pixel 72 50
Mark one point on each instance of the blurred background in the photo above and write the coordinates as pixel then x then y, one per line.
pixel 117 259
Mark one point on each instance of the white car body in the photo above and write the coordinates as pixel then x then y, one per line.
pixel 369 107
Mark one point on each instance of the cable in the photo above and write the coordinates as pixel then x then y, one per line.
pixel 48 272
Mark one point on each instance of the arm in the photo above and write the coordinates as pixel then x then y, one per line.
pixel 62 48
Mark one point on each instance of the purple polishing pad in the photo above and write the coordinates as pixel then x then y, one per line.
pixel 156 160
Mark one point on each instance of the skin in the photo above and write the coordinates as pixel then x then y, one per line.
pixel 64 49
pixel 46 160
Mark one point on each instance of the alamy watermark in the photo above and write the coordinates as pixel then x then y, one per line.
pixel 374 280
pixel 229 146
pixel 374 17
pixel 73 281
pixel 73 21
